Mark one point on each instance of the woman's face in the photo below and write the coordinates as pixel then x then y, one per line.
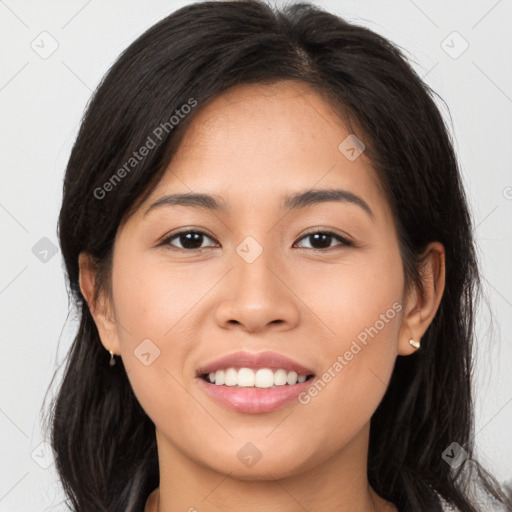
pixel 259 280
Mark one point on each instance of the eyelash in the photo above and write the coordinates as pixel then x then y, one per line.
pixel 168 240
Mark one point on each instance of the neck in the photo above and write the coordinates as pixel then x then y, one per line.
pixel 339 484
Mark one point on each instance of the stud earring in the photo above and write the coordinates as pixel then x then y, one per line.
pixel 112 359
pixel 415 344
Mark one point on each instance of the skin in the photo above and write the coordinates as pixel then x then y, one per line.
pixel 252 145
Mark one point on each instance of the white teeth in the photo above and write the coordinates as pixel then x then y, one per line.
pixel 280 377
pixel 291 378
pixel 246 378
pixel 219 377
pixel 231 378
pixel 262 378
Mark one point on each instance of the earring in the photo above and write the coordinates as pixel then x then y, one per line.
pixel 112 360
pixel 415 344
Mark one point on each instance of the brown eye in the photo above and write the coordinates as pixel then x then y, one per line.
pixel 321 240
pixel 190 240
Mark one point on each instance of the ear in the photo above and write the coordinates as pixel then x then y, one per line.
pixel 421 305
pixel 101 309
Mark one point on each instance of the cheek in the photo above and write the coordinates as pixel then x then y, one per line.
pixel 355 377
pixel 358 298
pixel 152 300
pixel 360 303
pixel 155 335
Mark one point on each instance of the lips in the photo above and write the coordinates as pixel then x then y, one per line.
pixel 254 400
pixel 255 361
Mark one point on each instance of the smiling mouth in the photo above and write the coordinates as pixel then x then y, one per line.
pixel 262 378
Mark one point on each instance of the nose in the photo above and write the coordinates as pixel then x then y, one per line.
pixel 258 296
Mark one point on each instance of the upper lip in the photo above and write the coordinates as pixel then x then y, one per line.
pixel 245 359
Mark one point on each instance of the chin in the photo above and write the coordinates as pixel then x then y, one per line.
pixel 270 467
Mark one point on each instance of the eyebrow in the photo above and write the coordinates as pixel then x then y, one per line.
pixel 294 201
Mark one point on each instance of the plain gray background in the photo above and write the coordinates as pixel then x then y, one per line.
pixel 54 55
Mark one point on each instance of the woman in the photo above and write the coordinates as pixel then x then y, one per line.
pixel 266 235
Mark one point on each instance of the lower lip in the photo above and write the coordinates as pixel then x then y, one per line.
pixel 254 400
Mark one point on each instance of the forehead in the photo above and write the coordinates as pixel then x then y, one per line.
pixel 256 143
